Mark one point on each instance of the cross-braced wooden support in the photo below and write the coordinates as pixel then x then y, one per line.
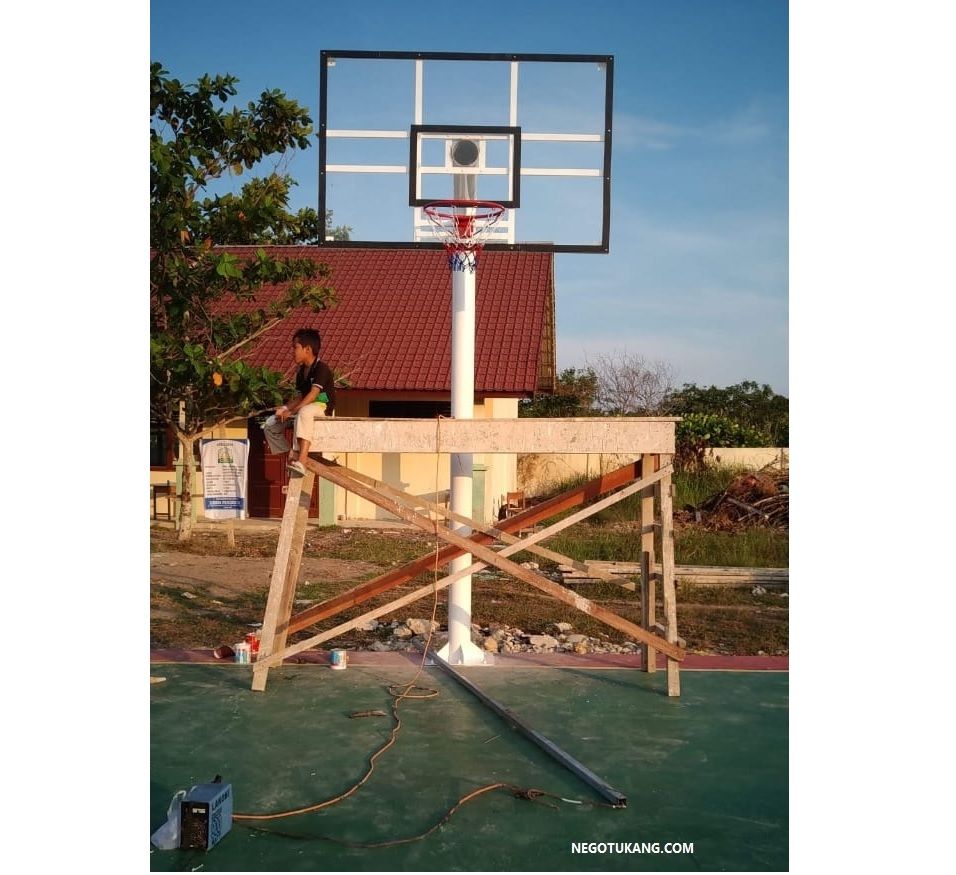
pixel 651 476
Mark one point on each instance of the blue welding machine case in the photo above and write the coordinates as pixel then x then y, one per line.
pixel 205 815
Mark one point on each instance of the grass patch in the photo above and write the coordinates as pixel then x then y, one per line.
pixel 179 622
pixel 252 545
pixel 745 631
pixel 750 548
pixel 729 595
pixel 694 487
pixel 384 548
pixel 718 618
pixel 690 487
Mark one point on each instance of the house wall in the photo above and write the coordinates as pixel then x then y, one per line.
pixel 538 474
pixel 501 475
pixel 748 457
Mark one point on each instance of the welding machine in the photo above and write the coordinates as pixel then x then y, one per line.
pixel 205 815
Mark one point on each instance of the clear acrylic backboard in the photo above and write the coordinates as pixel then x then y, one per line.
pixel 399 130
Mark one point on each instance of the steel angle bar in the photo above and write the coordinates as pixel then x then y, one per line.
pixel 615 797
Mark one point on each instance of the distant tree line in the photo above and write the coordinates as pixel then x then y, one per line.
pixel 743 415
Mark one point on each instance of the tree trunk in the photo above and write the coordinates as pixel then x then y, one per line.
pixel 186 498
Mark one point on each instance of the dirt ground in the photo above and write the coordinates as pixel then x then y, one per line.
pixel 205 593
pixel 227 576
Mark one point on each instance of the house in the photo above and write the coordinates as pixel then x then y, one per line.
pixel 389 340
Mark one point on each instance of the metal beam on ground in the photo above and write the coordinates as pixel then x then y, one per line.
pixel 615 797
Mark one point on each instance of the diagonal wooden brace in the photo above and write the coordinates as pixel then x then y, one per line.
pixel 412 502
pixel 395 577
pixel 429 589
pixel 489 556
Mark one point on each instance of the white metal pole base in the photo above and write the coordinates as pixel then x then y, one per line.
pixel 469 654
pixel 460 649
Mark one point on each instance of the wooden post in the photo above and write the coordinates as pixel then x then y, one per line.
pixel 666 490
pixel 647 608
pixel 649 463
pixel 285 573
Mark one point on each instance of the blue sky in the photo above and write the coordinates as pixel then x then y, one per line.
pixel 697 275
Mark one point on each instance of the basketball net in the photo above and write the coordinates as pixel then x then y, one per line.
pixel 463 226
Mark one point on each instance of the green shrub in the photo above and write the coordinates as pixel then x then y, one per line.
pixel 698 431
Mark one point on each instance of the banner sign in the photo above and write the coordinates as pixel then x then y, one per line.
pixel 225 475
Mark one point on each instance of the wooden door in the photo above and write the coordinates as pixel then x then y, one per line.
pixel 269 476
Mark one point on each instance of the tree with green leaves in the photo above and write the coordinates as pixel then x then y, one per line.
pixel 755 408
pixel 698 432
pixel 574 392
pixel 198 378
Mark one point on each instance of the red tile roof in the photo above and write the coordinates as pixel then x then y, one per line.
pixel 391 329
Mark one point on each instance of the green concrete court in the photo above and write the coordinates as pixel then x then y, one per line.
pixel 709 768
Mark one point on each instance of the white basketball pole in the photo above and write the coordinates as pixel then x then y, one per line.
pixel 460 650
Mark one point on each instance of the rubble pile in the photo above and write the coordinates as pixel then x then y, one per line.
pixel 495 638
pixel 758 499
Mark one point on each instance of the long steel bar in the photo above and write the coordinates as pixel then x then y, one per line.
pixel 615 797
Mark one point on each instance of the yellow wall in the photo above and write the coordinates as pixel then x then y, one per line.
pixel 501 476
pixel 419 473
pixel 539 473
pixel 748 457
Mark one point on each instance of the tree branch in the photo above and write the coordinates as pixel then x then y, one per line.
pixel 252 337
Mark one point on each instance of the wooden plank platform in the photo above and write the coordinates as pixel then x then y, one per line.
pixel 617 435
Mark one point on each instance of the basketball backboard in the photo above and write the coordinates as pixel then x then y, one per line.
pixel 398 130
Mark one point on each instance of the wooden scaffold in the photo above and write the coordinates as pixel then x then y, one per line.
pixel 650 440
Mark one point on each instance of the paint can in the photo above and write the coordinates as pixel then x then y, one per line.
pixel 252 639
pixel 243 653
pixel 339 659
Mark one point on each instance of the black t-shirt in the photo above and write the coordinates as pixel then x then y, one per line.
pixel 318 374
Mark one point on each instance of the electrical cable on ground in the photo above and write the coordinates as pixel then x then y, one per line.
pixel 400 692
pixel 529 794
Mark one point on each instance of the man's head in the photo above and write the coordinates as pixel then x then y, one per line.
pixel 305 345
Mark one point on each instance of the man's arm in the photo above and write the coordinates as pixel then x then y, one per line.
pixel 292 407
pixel 308 398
